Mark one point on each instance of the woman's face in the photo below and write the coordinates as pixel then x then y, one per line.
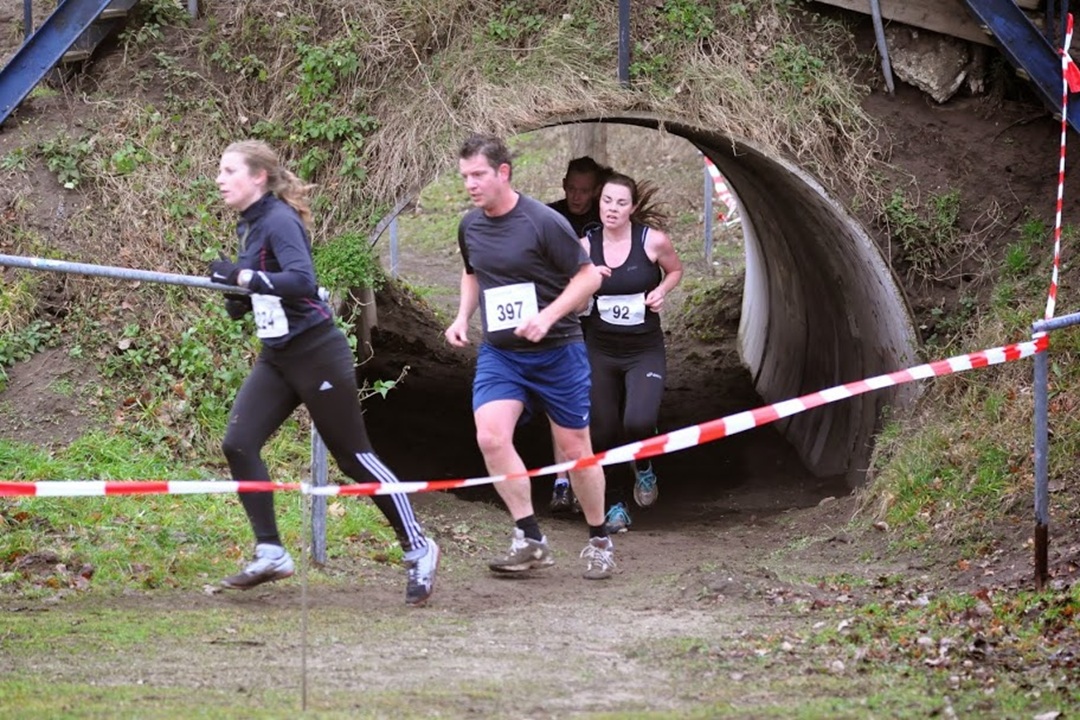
pixel 615 205
pixel 239 187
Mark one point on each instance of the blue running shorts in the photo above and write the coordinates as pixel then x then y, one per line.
pixel 558 378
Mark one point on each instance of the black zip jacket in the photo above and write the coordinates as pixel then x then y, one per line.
pixel 274 244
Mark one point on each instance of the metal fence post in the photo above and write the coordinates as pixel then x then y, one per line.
pixel 1042 493
pixel 708 215
pixel 394 247
pixel 624 43
pixel 318 502
pixel 28 19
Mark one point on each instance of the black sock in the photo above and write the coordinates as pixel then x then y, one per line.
pixel 530 527
pixel 597 531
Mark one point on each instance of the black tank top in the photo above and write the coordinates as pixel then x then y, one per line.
pixel 619 305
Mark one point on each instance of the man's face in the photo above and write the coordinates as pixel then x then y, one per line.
pixel 486 185
pixel 580 189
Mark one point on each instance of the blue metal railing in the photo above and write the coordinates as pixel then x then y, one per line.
pixel 43 49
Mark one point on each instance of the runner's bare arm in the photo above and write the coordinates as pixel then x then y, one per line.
pixel 662 250
pixel 458 332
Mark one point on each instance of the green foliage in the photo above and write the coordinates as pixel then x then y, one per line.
pixel 66 158
pixel 323 67
pixel 145 23
pixel 24 343
pixel 796 64
pixel 515 21
pixel 686 20
pixel 127 158
pixel 321 131
pixel 927 235
pixel 195 217
pixel 248 66
pixel 15 160
pixel 18 299
pixel 649 65
pixel 940 479
pixel 347 262
pixel 382 387
pixel 187 381
pixel 161 12
pixel 949 326
pixel 678 23
pixel 1019 256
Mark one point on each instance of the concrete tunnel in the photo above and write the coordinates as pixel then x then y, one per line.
pixel 820 304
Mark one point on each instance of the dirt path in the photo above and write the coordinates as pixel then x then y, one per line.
pixel 707 585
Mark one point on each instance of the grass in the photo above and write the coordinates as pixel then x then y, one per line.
pixel 911 654
pixel 149 541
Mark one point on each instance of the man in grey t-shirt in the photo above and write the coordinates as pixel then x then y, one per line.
pixel 527 272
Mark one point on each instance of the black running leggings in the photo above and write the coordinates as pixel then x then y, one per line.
pixel 627 387
pixel 316 369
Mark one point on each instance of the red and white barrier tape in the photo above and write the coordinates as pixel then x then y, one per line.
pixel 722 192
pixel 1070 79
pixel 660 445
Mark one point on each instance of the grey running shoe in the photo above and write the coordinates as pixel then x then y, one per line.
pixel 645 489
pixel 421 573
pixel 272 562
pixel 617 519
pixel 562 497
pixel 600 554
pixel 525 554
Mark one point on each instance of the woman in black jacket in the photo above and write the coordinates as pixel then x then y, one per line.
pixel 305 358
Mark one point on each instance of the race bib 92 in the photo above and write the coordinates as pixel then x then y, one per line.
pixel 621 309
pixel 508 306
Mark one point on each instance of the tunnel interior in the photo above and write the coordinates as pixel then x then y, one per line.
pixel 819 306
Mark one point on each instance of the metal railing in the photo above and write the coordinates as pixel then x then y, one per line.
pixel 1042 446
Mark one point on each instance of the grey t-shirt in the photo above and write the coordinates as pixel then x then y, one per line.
pixel 531 244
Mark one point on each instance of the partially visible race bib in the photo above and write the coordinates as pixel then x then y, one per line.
pixel 621 309
pixel 508 306
pixel 270 320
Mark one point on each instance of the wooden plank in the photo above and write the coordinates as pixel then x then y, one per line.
pixel 948 17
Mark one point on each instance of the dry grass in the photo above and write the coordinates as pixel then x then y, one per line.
pixel 428 74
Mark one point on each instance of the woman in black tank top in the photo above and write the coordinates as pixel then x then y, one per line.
pixel 622 329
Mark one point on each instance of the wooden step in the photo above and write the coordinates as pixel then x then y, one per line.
pixel 117 9
pixel 948 17
pixel 110 19
pixel 84 46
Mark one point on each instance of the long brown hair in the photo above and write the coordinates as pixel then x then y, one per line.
pixel 643 198
pixel 279 180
